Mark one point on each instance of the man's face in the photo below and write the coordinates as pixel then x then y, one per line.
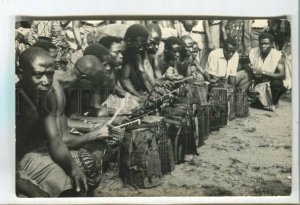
pixel 195 50
pixel 265 46
pixel 53 53
pixel 139 44
pixel 116 55
pixel 229 52
pixel 174 52
pixel 40 76
pixel 153 42
pixel 188 44
pixel 106 61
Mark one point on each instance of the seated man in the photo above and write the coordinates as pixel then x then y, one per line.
pixel 115 48
pixel 223 62
pixel 196 70
pixel 191 61
pixel 152 47
pixel 137 74
pixel 44 171
pixel 267 70
pixel 170 59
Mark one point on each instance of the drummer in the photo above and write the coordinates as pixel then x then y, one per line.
pixel 137 75
pixel 170 59
pixel 223 62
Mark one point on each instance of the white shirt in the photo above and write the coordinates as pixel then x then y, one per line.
pixel 260 23
pixel 217 64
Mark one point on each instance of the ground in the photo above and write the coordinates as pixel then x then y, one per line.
pixel 249 157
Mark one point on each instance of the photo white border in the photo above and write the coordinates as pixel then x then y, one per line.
pixel 247 8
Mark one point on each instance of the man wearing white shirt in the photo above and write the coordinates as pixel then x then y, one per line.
pixel 223 62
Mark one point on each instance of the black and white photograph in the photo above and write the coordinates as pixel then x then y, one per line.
pixel 150 106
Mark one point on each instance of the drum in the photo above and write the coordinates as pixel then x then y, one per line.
pixel 218 108
pixel 201 124
pixel 197 92
pixel 179 129
pixel 194 92
pixel 157 125
pixel 140 164
pixel 241 104
pixel 218 115
pixel 218 95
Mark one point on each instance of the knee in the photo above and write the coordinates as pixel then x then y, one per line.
pixel 243 75
pixel 276 83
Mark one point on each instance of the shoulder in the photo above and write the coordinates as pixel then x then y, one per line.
pixel 254 52
pixel 216 53
pixel 236 56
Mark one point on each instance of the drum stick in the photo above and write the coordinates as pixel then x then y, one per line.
pixel 129 123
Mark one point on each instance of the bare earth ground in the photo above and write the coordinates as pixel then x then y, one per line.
pixel 249 157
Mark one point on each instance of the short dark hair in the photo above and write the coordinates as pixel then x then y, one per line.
pixel 46 45
pixel 230 41
pixel 172 41
pixel 266 35
pixel 96 50
pixel 135 31
pixel 28 56
pixel 107 41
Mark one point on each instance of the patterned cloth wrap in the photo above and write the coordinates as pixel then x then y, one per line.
pixel 94 157
pixel 87 163
pixel 157 125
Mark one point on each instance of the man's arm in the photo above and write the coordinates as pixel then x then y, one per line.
pixel 278 74
pixel 126 82
pixel 207 32
pixel 156 67
pixel 223 28
pixel 231 80
pixel 72 141
pixel 59 152
pixel 76 30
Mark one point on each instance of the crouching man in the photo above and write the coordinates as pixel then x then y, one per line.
pixel 266 73
pixel 45 165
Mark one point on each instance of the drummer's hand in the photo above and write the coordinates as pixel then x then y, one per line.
pixel 257 72
pixel 79 179
pixel 100 132
pixel 106 112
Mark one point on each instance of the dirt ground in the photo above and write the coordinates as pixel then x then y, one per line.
pixel 249 157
